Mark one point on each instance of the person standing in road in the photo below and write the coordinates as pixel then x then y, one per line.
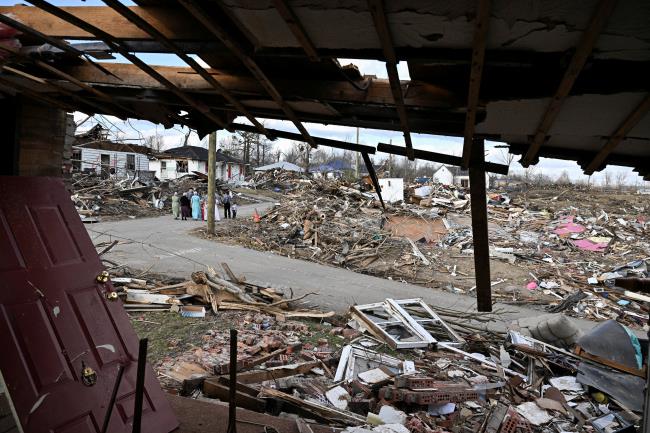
pixel 226 204
pixel 176 207
pixel 233 207
pixel 196 206
pixel 185 207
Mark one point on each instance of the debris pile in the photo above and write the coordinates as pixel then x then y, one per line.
pixel 332 222
pixel 401 365
pixel 277 180
pixel 211 290
pixel 547 248
pixel 113 198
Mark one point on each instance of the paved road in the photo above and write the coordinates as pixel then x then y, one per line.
pixel 164 245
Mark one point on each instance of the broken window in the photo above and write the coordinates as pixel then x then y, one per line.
pixel 130 162
pixel 76 160
pixel 355 360
pixel 181 166
pixel 405 323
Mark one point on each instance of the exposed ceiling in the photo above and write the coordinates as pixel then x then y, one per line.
pixel 549 77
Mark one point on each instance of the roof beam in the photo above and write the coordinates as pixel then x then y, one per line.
pixel 383 31
pixel 297 29
pixel 167 19
pixel 475 75
pixel 378 91
pixel 618 136
pixel 320 141
pixel 196 10
pixel 582 52
pixel 103 96
pixel 156 34
pixel 114 44
pixel 62 45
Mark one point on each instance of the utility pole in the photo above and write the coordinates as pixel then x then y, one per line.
pixel 212 163
pixel 356 158
pixel 390 161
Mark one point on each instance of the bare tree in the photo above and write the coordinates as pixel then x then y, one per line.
pixel 621 177
pixel 607 179
pixel 154 142
pixel 563 178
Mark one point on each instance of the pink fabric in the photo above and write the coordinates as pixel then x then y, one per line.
pixel 531 286
pixel 567 226
pixel 586 244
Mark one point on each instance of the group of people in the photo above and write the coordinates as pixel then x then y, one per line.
pixel 192 204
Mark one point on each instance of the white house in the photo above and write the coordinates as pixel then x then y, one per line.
pixel 452 175
pixel 93 152
pixel 179 161
pixel 392 189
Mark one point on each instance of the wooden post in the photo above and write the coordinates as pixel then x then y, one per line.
pixel 480 226
pixel 212 163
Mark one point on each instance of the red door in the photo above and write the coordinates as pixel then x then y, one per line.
pixel 55 320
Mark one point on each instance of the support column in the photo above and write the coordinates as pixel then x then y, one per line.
pixel 212 178
pixel 480 226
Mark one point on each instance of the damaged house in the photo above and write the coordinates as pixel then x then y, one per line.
pixel 451 175
pixel 546 79
pixel 93 152
pixel 180 161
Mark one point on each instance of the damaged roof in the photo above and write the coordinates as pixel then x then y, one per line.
pixel 548 79
pixel 197 153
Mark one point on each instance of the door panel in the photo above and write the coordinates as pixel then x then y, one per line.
pixel 55 320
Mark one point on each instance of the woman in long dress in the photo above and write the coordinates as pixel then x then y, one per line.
pixel 185 207
pixel 217 217
pixel 176 206
pixel 196 206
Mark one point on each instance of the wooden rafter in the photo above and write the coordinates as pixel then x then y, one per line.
pixel 475 75
pixel 297 29
pixel 328 142
pixel 383 31
pixel 121 112
pixel 62 45
pixel 617 136
pixel 582 52
pixel 198 12
pixel 115 45
pixel 156 34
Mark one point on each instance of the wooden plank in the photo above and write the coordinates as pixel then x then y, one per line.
pixel 475 76
pixel 319 409
pixel 213 389
pixel 378 91
pixel 618 136
pixel 198 12
pixel 383 31
pixel 321 141
pixel 156 34
pixel 297 29
pixel 172 24
pixel 257 376
pixel 111 41
pixel 480 227
pixel 583 50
